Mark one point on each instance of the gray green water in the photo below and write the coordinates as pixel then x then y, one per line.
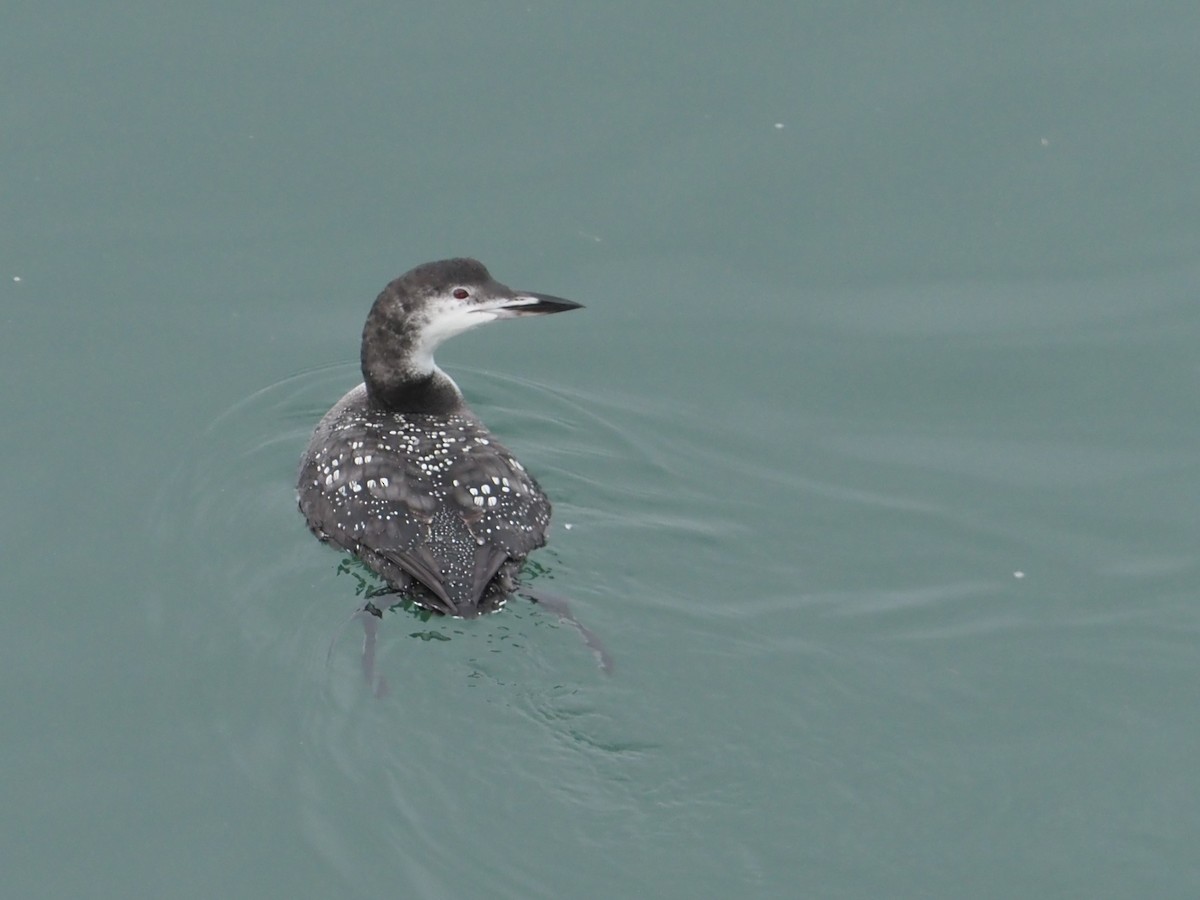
pixel 877 440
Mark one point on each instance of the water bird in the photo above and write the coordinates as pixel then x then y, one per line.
pixel 403 475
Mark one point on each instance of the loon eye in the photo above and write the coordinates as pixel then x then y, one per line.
pixel 461 293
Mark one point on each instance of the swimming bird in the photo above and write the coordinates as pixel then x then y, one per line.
pixel 403 475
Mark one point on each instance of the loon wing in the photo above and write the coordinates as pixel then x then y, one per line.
pixel 412 510
pixel 457 592
pixel 492 512
pixel 425 568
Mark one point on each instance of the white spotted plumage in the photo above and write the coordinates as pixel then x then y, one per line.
pixel 450 495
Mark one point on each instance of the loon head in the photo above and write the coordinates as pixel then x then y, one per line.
pixel 418 311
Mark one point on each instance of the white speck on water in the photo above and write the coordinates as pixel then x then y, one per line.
pixel 1018 574
pixel 568 526
pixel 779 126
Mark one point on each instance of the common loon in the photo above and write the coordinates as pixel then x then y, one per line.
pixel 403 475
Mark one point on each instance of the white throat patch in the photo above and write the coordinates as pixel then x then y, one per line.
pixel 444 320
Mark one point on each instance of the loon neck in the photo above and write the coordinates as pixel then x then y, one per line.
pixel 400 377
pixel 432 394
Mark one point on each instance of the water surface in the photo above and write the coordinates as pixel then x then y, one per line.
pixel 876 442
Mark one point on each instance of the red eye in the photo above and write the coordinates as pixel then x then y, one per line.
pixel 461 294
